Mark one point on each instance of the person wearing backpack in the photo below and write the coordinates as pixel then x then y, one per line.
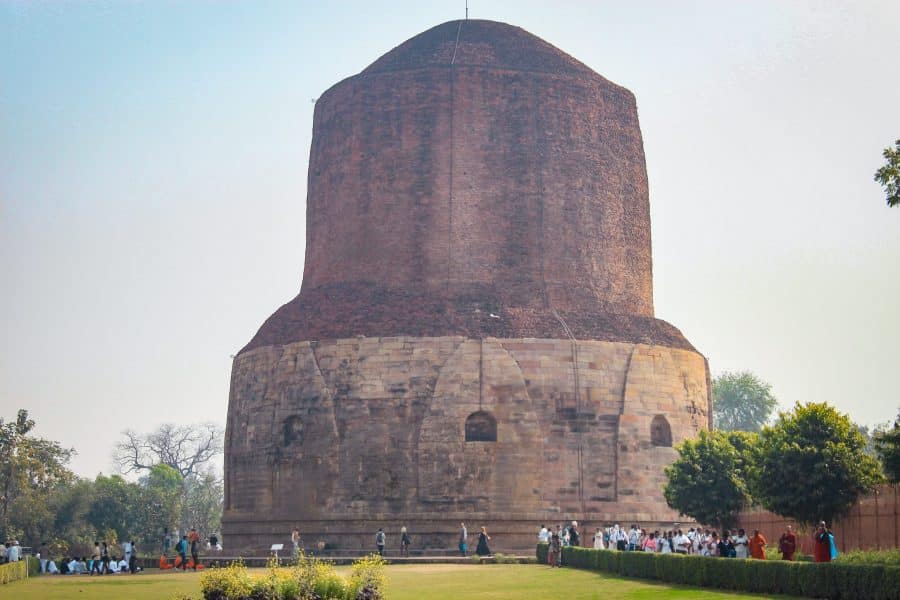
pixel 379 541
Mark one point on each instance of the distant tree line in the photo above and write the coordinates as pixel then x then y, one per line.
pixel 44 501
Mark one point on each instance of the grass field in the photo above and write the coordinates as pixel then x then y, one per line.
pixel 405 582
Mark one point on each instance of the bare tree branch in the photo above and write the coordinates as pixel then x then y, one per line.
pixel 185 448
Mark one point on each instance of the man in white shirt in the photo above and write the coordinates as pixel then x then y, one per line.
pixel 544 535
pixel 682 543
pixel 15 551
pixel 123 566
pixel 74 567
pixel 113 566
pixel 634 536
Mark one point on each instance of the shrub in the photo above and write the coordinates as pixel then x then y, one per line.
pixel 542 551
pixel 842 580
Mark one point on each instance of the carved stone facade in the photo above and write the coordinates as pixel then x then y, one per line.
pixel 474 339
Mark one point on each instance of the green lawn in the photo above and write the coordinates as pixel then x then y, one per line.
pixel 405 582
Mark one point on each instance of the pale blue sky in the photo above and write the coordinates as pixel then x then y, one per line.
pixel 153 180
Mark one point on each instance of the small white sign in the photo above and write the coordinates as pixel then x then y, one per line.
pixel 276 547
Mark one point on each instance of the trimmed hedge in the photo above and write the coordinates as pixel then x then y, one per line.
pixel 829 580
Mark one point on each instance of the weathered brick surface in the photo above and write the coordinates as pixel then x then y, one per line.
pixel 477 199
pixel 512 181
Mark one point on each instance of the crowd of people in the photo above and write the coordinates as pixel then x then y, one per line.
pixel 696 541
pixel 102 561
pixel 10 551
pixel 107 559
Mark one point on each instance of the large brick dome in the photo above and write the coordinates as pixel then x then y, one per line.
pixel 474 337
pixel 475 169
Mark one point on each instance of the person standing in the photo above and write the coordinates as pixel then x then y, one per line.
pixel 379 541
pixel 132 560
pixel 787 544
pixel 195 550
pixel 404 542
pixel 574 536
pixel 634 538
pixel 104 557
pixel 483 538
pixel 95 559
pixel 554 553
pixel 43 555
pixel 758 545
pixel 598 539
pixel 741 545
pixel 295 540
pixel 823 543
pixel 463 539
pixel 128 550
pixel 14 554
pixel 544 535
pixel 182 548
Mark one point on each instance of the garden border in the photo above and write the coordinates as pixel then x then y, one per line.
pixel 812 580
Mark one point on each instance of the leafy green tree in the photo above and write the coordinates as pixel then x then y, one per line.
pixel 887 446
pixel 889 175
pixel 811 465
pixel 114 507
pixel 31 469
pixel 741 401
pixel 707 482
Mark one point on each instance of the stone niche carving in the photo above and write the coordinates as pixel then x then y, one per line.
pixel 660 432
pixel 481 426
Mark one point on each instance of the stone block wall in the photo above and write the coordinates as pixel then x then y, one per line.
pixel 343 436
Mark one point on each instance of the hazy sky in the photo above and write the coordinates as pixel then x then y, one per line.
pixel 153 164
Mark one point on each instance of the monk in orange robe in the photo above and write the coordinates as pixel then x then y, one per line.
pixel 758 545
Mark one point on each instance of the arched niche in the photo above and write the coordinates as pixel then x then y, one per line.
pixel 660 432
pixel 481 426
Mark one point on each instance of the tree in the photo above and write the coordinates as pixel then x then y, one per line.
pixel 203 500
pixel 811 465
pixel 741 401
pixel 162 498
pixel 707 482
pixel 31 469
pixel 887 446
pixel 889 175
pixel 185 448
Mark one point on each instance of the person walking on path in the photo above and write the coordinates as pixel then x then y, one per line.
pixel 463 539
pixel 404 542
pixel 787 544
pixel 758 545
pixel 483 538
pixel 379 541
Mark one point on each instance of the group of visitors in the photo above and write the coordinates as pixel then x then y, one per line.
pixel 10 551
pixel 696 541
pixel 481 549
pixel 101 561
